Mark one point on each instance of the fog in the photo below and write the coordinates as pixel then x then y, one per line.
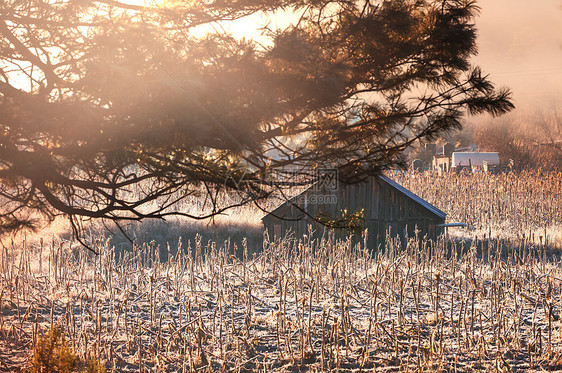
pixel 519 43
pixel 520 46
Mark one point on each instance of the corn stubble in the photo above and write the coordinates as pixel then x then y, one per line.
pixel 516 206
pixel 309 304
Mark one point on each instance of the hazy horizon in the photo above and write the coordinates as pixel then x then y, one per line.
pixel 520 46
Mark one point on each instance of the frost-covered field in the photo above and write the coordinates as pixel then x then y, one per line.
pixel 514 206
pixel 309 304
pixel 314 304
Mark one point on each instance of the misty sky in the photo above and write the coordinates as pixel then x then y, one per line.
pixel 520 45
pixel 519 41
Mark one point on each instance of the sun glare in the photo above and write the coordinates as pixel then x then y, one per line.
pixel 249 27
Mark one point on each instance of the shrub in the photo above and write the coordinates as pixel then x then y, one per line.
pixel 52 354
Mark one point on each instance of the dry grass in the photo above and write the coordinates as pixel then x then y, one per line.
pixel 308 304
pixel 515 206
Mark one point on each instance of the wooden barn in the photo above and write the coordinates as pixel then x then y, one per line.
pixel 381 204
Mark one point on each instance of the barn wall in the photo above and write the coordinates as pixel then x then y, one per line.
pixel 390 209
pixel 384 208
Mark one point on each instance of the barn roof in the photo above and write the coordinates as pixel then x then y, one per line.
pixel 413 197
pixel 423 203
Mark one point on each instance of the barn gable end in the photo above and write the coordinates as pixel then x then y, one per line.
pixel 386 206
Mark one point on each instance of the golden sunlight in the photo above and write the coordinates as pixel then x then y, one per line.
pixel 249 27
